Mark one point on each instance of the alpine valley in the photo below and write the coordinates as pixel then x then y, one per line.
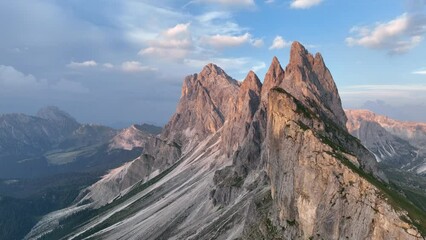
pixel 277 159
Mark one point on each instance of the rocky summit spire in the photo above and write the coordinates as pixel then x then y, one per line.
pixel 251 82
pixel 308 79
pixel 203 106
pixel 299 56
pixel 273 77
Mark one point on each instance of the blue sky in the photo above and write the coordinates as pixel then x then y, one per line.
pixel 124 61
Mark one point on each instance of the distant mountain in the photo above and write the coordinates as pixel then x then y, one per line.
pixel 26 136
pixel 149 128
pixel 45 160
pixel 246 160
pixel 53 142
pixel 399 147
pixel 396 143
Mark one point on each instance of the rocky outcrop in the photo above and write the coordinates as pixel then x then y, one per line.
pixel 129 138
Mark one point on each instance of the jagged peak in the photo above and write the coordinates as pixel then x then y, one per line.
pixel 275 64
pixel 273 77
pixel 318 57
pixel 299 55
pixel 275 69
pixel 212 69
pixel 275 61
pixel 213 72
pixel 251 82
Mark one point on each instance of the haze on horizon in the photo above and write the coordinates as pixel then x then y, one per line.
pixel 112 62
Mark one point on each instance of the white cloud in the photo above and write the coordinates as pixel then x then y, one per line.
pixel 108 65
pixel 258 66
pixel 214 15
pixel 221 41
pixel 10 78
pixel 217 22
pixel 141 21
pixel 173 43
pixel 90 63
pixel 257 42
pixel 242 3
pixel 396 36
pixel 135 66
pixel 269 1
pixel 279 43
pixel 304 4
pixel 420 72
pixel 177 30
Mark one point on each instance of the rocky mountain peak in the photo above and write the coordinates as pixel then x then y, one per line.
pixel 299 56
pixel 206 100
pixel 273 77
pixel 308 79
pixel 251 82
pixel 318 60
pixel 212 69
pixel 53 113
pixel 213 74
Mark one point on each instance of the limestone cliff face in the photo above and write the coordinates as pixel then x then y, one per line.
pixel 241 113
pixel 253 161
pixel 316 194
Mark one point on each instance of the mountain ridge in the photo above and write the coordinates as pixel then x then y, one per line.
pixel 290 171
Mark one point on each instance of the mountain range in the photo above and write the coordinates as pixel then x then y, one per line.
pixel 253 160
pixel 47 159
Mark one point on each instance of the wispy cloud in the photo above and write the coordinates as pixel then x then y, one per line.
pixel 258 66
pixel 257 42
pixel 173 43
pixel 393 93
pixel 85 64
pixel 135 66
pixel 304 4
pixel 279 43
pixel 221 41
pixel 12 80
pixel 420 72
pixel 108 65
pixel 395 36
pixel 237 3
